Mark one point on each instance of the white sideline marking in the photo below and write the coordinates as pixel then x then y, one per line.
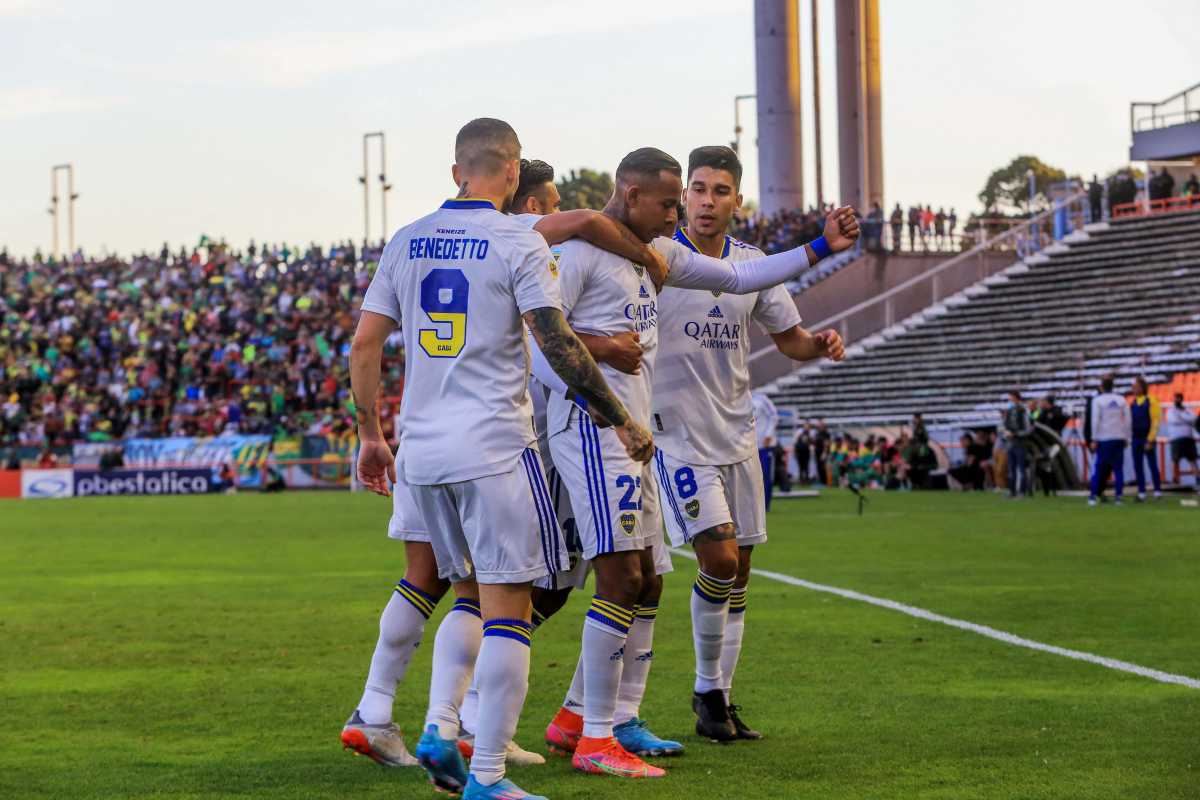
pixel 982 630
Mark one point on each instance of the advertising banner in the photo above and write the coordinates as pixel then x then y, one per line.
pixel 46 483
pixel 187 480
pixel 246 452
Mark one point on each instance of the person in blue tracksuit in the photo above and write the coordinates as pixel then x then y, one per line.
pixel 1145 415
pixel 1110 432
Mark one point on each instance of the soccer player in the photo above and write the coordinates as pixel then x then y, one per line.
pixel 704 419
pixel 465 278
pixel 536 203
pixel 615 498
pixel 370 730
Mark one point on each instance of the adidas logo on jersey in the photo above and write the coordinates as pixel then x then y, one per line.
pixel 716 313
pixel 642 292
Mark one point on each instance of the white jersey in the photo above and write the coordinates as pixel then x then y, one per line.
pixel 703 413
pixel 605 294
pixel 766 419
pixel 459 280
pixel 1180 422
pixel 1110 417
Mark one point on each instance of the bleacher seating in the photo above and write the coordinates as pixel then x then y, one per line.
pixel 1124 297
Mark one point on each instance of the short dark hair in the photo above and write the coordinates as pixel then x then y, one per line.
pixel 716 156
pixel 1106 383
pixel 485 144
pixel 647 162
pixel 1014 393
pixel 534 174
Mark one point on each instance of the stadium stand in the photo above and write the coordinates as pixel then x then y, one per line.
pixel 1123 297
pixel 192 343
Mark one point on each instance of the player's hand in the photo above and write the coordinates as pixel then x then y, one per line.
pixel 1092 446
pixel 624 352
pixel 830 344
pixel 841 229
pixel 638 443
pixel 376 466
pixel 656 266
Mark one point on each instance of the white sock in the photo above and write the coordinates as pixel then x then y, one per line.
pixel 731 647
pixel 503 682
pixel 401 626
pixel 710 610
pixel 639 653
pixel 604 632
pixel 574 698
pixel 469 713
pixel 455 649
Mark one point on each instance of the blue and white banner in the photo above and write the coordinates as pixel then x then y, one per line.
pixel 187 480
pixel 41 484
pixel 246 452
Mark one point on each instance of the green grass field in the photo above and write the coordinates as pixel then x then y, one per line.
pixel 212 647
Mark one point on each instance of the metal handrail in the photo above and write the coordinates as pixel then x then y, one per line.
pixel 932 274
pixel 1136 124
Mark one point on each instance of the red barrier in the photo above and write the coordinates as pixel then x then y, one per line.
pixel 10 483
pixel 1166 205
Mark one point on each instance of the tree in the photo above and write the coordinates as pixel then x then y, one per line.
pixel 585 189
pixel 1007 189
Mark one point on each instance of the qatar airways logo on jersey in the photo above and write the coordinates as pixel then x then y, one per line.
pixel 644 315
pixel 715 333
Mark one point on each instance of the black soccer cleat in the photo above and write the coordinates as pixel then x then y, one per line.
pixel 744 731
pixel 712 716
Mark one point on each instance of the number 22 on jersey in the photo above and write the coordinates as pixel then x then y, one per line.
pixel 444 295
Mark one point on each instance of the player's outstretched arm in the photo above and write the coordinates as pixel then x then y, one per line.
pixel 376 466
pixel 572 362
pixel 799 345
pixel 606 233
pixel 694 270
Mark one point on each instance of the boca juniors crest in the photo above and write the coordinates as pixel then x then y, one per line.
pixel 627 523
pixel 692 508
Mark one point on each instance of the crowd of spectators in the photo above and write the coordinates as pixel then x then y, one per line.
pixel 928 230
pixel 192 342
pixel 874 461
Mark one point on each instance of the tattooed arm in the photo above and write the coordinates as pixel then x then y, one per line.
pixel 376 466
pixel 572 362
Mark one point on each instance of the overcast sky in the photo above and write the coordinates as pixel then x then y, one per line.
pixel 244 119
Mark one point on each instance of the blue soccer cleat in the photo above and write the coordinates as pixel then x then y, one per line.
pixel 503 789
pixel 443 762
pixel 635 737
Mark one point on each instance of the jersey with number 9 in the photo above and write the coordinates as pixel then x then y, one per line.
pixel 458 281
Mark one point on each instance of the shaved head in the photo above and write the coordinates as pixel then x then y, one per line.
pixel 485 146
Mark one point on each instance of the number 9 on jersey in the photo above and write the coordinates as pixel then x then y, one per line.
pixel 444 295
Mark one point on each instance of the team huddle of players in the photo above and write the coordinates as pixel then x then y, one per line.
pixel 510 488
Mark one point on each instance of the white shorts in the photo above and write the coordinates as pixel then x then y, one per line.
pixel 499 528
pixel 575 575
pixel 701 496
pixel 406 523
pixel 605 486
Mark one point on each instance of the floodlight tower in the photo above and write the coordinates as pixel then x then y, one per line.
pixel 384 186
pixel 72 196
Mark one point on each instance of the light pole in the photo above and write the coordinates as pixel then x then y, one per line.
pixel 737 121
pixel 384 186
pixel 54 201
pixel 816 71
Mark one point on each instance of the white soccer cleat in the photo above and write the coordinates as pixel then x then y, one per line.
pixel 383 744
pixel 520 757
pixel 513 753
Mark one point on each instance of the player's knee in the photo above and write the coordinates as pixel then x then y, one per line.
pixel 548 602
pixel 652 586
